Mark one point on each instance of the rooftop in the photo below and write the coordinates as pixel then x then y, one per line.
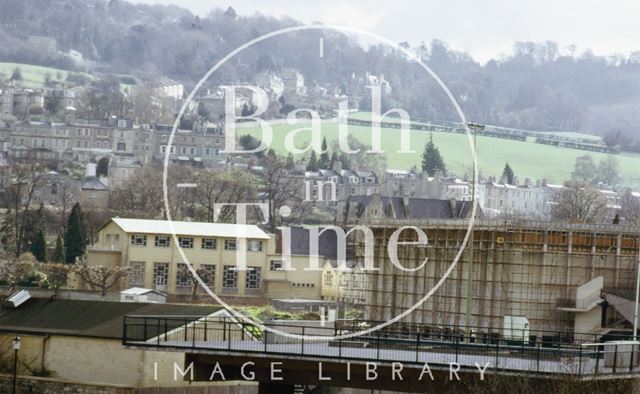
pixel 99 319
pixel 201 229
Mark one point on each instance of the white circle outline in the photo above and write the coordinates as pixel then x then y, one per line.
pixel 411 56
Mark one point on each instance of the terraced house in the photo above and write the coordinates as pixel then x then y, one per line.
pixel 149 250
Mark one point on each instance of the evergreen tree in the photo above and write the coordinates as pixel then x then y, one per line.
pixel 312 165
pixel 102 169
pixel 507 175
pixel 74 240
pixel 39 246
pixel 58 254
pixel 334 157
pixel 345 160
pixel 16 75
pixel 431 159
pixel 290 164
pixel 324 156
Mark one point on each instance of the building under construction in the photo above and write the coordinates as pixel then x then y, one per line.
pixel 556 275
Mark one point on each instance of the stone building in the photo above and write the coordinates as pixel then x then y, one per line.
pixel 148 249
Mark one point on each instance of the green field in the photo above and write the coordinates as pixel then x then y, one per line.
pixel 33 77
pixel 528 159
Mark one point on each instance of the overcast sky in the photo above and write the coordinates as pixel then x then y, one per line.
pixel 483 28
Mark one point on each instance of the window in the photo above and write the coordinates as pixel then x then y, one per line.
pixel 136 273
pixel 254 246
pixel 208 243
pixel 183 279
pixel 160 276
pixel 121 146
pixel 229 244
pixel 328 278
pixel 138 240
pixel 186 242
pixel 275 265
pixel 252 278
pixel 229 277
pixel 163 241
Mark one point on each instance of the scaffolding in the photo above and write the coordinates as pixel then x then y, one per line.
pixel 521 268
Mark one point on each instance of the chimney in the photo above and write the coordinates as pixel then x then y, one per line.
pixel 91 170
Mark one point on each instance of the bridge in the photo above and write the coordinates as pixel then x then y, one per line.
pixel 224 348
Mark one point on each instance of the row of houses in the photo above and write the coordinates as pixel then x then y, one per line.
pixel 339 189
pixel 86 141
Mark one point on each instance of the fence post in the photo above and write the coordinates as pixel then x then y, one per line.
pixel 145 329
pixel 597 359
pixel 193 343
pixel 580 362
pixel 538 358
pixel 615 358
pixel 497 351
pixel 417 346
pixel 186 337
pixel 340 348
pixel 205 329
pixel 166 329
pixel 378 346
pixel 158 333
pixel 124 331
pixel 457 341
pixel 633 347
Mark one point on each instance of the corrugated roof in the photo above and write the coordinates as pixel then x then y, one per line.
pixel 201 229
pixel 101 319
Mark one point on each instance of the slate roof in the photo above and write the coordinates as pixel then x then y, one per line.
pixel 327 242
pixel 93 183
pixel 414 208
pixel 98 319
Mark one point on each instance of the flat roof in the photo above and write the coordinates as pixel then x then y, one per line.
pixel 98 319
pixel 202 229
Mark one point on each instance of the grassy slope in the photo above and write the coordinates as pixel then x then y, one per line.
pixel 529 160
pixel 32 76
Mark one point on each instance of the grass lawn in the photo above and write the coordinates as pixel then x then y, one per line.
pixel 528 159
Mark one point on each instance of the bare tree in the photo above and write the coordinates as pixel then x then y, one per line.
pixel 279 190
pixel 101 276
pixel 142 196
pixel 57 275
pixel 579 203
pixel 630 207
pixel 14 270
pixel 25 179
pixel 221 187
pixel 609 170
pixel 205 275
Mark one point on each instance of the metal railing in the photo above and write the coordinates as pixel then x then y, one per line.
pixel 547 355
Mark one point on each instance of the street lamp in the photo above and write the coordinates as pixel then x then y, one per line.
pixel 17 341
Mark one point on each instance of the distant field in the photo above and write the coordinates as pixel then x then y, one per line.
pixel 33 77
pixel 528 160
